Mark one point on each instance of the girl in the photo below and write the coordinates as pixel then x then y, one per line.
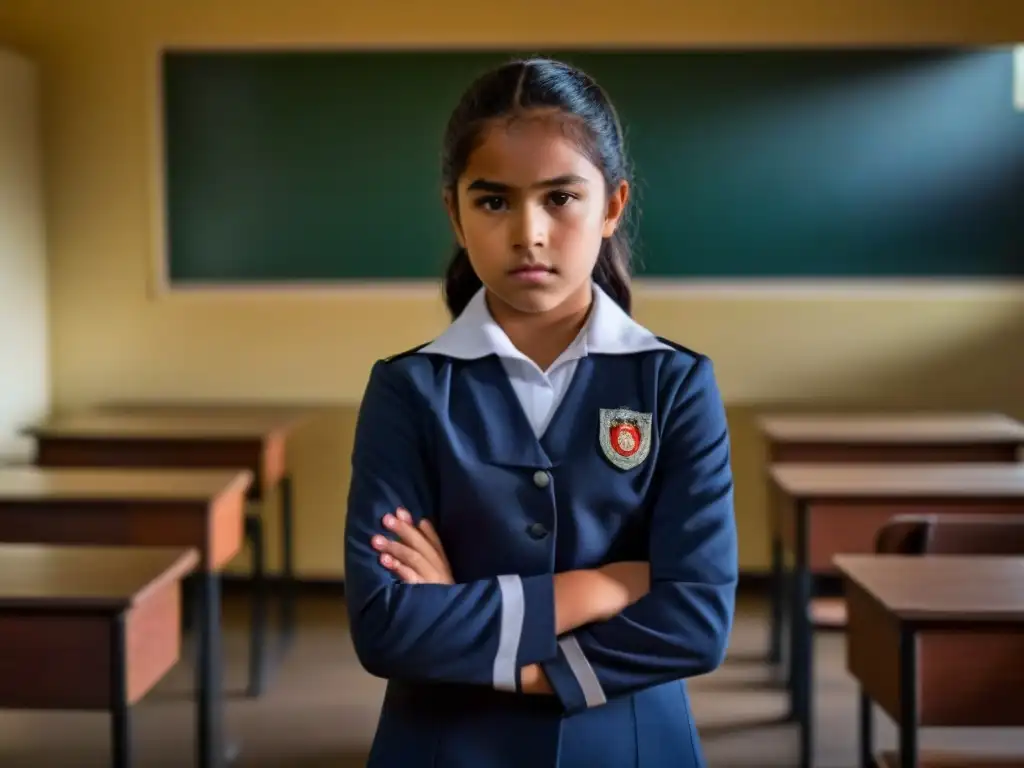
pixel 540 544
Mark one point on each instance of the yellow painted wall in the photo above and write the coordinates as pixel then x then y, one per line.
pixel 24 316
pixel 112 338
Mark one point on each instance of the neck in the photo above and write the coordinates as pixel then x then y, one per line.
pixel 543 336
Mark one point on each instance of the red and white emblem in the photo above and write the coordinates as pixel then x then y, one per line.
pixel 625 436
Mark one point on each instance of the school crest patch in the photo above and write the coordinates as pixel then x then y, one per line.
pixel 625 436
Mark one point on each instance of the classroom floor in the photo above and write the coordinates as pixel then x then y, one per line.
pixel 321 709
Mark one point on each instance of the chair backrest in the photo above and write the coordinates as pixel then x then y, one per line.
pixel 952 535
pixel 904 535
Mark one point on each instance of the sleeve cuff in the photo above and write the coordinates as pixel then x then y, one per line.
pixel 573 678
pixel 527 632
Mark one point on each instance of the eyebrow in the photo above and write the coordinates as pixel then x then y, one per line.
pixel 483 185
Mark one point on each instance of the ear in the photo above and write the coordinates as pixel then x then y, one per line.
pixel 451 204
pixel 616 208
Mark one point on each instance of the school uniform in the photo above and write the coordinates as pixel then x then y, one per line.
pixel 619 451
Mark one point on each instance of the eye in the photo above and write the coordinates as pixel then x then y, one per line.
pixel 490 203
pixel 559 198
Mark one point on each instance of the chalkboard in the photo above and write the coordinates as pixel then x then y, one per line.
pixel 318 167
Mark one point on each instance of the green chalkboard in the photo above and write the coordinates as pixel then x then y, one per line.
pixel 323 166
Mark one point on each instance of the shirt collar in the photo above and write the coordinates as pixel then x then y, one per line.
pixel 609 331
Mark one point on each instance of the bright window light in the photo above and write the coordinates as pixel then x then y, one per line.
pixel 1018 77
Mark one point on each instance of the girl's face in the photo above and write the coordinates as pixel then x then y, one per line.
pixel 531 211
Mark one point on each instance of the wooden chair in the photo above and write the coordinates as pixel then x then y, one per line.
pixel 951 535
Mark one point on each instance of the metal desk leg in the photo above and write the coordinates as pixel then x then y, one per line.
pixel 209 673
pixel 777 588
pixel 908 698
pixel 120 711
pixel 867 731
pixel 288 598
pixel 258 663
pixel 802 658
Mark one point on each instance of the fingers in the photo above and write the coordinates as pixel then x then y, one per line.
pixel 428 531
pixel 424 526
pixel 404 572
pixel 404 557
pixel 431 535
pixel 417 556
pixel 415 539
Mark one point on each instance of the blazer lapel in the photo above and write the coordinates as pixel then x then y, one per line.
pixel 561 434
pixel 486 410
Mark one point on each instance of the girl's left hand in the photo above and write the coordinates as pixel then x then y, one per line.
pixel 418 556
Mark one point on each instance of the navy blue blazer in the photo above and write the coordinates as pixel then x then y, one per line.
pixel 634 465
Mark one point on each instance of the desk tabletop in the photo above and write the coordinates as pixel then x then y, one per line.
pixel 86 578
pixel 873 481
pixel 941 588
pixel 27 484
pixel 163 425
pixel 893 429
pixel 280 413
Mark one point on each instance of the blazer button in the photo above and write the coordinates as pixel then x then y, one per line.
pixel 541 479
pixel 537 531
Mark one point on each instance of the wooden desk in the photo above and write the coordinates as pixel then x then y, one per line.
pixel 830 509
pixel 197 437
pixel 291 414
pixel 881 438
pixel 936 641
pixel 196 509
pixel 89 628
pixel 874 438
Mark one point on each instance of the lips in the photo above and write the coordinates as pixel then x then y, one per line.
pixel 532 269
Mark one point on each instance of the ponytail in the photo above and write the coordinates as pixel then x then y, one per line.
pixel 611 272
pixel 460 283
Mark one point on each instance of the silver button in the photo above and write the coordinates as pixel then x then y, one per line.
pixel 541 479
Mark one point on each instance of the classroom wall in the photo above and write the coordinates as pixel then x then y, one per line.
pixel 898 346
pixel 24 337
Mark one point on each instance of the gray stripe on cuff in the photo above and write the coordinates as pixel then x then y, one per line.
pixel 513 611
pixel 593 693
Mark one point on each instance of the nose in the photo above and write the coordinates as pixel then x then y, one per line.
pixel 530 228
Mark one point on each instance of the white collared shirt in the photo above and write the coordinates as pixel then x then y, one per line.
pixel 609 330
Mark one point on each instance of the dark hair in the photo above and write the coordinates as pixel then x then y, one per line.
pixel 539 83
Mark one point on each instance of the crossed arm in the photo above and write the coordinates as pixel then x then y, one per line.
pixel 586 635
pixel 583 596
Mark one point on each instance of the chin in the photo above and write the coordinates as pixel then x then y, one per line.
pixel 530 301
